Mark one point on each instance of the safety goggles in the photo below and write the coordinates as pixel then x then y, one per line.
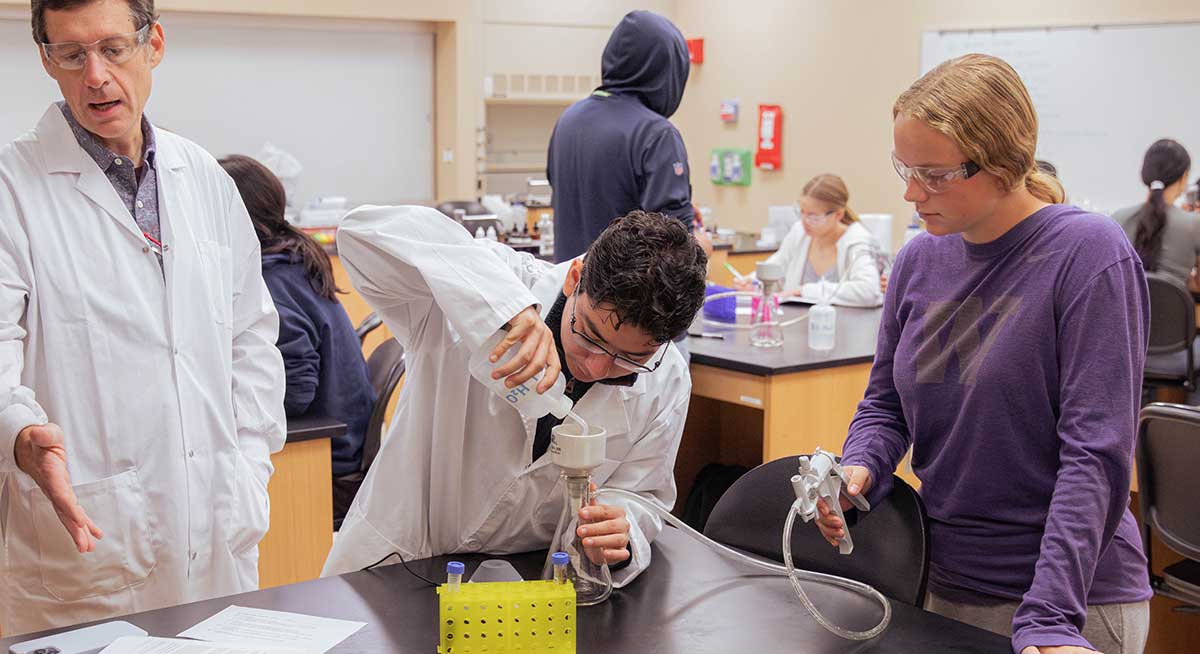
pixel 115 50
pixel 812 219
pixel 935 179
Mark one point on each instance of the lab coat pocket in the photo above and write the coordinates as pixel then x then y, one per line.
pixel 252 510
pixel 123 558
pixel 215 260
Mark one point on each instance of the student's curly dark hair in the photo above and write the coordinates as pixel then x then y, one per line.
pixel 649 271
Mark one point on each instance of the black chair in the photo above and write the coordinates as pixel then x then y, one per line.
pixel 1168 457
pixel 385 368
pixel 891 542
pixel 368 325
pixel 1171 357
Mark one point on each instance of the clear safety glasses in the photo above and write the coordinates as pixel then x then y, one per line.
pixel 115 50
pixel 812 219
pixel 935 179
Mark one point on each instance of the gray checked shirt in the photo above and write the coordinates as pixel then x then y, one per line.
pixel 139 193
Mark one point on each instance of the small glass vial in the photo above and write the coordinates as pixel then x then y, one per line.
pixel 454 573
pixel 560 560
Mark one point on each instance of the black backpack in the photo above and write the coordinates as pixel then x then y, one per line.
pixel 711 483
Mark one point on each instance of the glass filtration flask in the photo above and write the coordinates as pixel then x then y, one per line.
pixel 593 581
pixel 766 331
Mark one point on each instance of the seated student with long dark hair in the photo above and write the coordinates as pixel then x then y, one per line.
pixel 1166 237
pixel 326 374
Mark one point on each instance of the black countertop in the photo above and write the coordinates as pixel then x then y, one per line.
pixel 689 600
pixel 855 343
pixel 307 428
pixel 743 244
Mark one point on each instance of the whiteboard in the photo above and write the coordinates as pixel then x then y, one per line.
pixel 353 102
pixel 1102 94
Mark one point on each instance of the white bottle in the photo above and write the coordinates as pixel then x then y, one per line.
pixel 822 327
pixel 546 229
pixel 913 229
pixel 479 233
pixel 490 234
pixel 524 397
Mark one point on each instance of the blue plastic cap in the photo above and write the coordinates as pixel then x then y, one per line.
pixel 560 558
pixel 455 568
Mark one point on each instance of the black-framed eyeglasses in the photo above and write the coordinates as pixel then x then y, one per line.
pixel 620 360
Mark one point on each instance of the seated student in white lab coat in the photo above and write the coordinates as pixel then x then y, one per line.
pixel 141 394
pixel 828 254
pixel 462 470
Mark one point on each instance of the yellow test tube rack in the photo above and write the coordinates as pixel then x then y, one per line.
pixel 509 616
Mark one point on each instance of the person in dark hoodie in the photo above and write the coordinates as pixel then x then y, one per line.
pixel 322 357
pixel 615 151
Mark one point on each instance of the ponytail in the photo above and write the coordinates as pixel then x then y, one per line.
pixel 848 216
pixel 1165 163
pixel 1152 223
pixel 1045 187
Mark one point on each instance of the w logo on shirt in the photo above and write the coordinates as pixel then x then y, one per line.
pixel 965 340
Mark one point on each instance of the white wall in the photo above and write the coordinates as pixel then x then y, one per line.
pixel 836 68
pixel 546 42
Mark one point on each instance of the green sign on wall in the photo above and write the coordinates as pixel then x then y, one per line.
pixel 730 167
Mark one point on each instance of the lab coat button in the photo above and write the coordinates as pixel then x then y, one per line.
pixel 146 250
pixel 191 454
pixel 140 205
pixel 192 556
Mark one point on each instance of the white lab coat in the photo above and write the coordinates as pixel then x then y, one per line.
pixel 170 393
pixel 454 473
pixel 860 288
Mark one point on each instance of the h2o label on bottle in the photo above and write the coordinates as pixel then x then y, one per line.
pixel 516 393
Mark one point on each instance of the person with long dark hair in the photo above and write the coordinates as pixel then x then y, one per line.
pixel 326 373
pixel 1166 237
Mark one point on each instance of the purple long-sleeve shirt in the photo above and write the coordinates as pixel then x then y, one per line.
pixel 1014 370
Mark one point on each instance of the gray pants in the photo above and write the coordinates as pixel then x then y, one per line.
pixel 1110 628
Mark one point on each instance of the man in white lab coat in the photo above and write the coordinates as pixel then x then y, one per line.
pixel 462 470
pixel 141 393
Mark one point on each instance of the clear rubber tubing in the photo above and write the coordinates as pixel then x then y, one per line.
pixel 793 574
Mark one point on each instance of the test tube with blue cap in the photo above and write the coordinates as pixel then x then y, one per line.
pixel 454 573
pixel 560 560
